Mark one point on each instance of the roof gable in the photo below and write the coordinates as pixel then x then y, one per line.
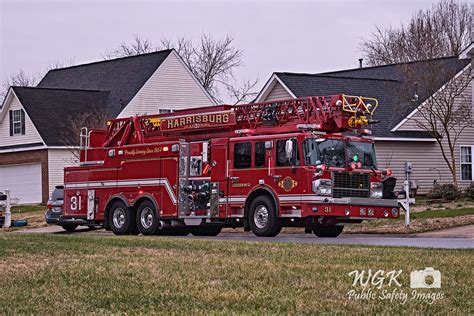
pixel 49 109
pixel 123 77
pixel 384 83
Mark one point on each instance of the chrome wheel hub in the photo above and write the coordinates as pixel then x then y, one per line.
pixel 119 217
pixel 260 217
pixel 146 217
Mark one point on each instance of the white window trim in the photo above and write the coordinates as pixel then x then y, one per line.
pixel 466 163
pixel 17 121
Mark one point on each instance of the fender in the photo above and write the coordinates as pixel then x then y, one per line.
pixel 268 190
pixel 119 196
pixel 149 197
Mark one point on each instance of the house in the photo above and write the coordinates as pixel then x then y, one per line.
pixel 32 151
pixel 398 138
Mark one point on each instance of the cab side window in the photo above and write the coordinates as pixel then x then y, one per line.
pixel 242 155
pixel 259 154
pixel 281 160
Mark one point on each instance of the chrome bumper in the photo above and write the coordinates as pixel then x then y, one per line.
pixel 356 201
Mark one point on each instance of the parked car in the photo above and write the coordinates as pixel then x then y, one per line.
pixel 55 209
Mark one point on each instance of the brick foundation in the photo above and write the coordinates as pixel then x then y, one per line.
pixel 32 156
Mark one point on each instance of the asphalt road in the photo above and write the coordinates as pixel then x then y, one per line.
pixel 357 239
pixel 453 238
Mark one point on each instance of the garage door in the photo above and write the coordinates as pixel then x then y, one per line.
pixel 24 182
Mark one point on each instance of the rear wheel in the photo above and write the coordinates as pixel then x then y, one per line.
pixel 206 231
pixel 263 219
pixel 147 218
pixel 69 227
pixel 122 219
pixel 327 231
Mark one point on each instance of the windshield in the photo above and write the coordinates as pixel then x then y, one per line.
pixel 332 153
pixel 324 151
pixel 363 153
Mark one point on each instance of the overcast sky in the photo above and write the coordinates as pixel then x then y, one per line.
pixel 296 36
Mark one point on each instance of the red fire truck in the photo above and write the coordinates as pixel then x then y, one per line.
pixel 304 162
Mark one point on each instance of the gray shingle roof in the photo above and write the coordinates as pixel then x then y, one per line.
pixel 50 109
pixel 384 83
pixel 123 77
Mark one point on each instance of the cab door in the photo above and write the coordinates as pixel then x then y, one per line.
pixel 287 173
pixel 241 171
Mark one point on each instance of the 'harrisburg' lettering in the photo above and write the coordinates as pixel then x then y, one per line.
pixel 209 119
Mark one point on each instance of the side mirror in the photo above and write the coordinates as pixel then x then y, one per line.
pixel 289 149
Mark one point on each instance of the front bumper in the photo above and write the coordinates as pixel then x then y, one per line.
pixel 346 208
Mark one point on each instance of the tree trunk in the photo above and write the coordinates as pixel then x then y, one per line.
pixel 454 171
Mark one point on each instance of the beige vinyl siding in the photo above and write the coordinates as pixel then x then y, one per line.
pixel 57 160
pixel 171 87
pixel 278 92
pixel 423 155
pixel 31 135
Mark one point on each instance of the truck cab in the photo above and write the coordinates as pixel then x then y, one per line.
pixel 312 180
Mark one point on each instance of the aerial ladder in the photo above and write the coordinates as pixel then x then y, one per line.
pixel 331 114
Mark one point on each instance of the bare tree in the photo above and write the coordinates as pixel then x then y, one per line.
pixel 443 30
pixel 20 79
pixel 446 108
pixel 242 93
pixel 71 127
pixel 138 46
pixel 212 62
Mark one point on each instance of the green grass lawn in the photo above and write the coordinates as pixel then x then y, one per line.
pixel 44 274
pixel 441 213
pixel 28 208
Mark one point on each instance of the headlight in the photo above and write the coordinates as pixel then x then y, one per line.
pixel 322 187
pixel 376 189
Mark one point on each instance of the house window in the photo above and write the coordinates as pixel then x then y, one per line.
pixel 165 111
pixel 467 164
pixel 17 122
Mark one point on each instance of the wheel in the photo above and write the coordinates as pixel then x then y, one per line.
pixel 263 219
pixel 327 231
pixel 122 219
pixel 69 227
pixel 206 231
pixel 147 218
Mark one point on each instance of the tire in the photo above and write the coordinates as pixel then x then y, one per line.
pixel 262 217
pixel 327 231
pixel 206 231
pixel 147 218
pixel 122 220
pixel 69 227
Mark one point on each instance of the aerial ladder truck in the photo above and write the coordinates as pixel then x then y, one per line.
pixel 306 162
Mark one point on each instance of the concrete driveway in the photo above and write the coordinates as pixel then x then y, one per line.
pixel 453 238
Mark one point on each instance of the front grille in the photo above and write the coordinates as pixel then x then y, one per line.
pixel 345 184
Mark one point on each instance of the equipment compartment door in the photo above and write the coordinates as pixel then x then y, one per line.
pixel 183 180
pixel 219 174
